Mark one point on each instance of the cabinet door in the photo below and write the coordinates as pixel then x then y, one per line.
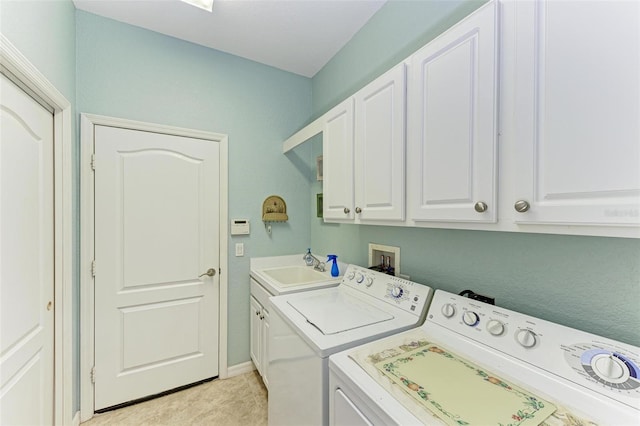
pixel 578 112
pixel 452 128
pixel 337 147
pixel 255 343
pixel 265 347
pixel 380 147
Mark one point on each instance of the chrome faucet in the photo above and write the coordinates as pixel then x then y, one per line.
pixel 317 264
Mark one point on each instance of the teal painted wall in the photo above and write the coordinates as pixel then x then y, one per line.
pixel 587 283
pixel 399 28
pixel 45 33
pixel 129 72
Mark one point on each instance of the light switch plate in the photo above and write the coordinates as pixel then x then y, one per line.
pixel 239 249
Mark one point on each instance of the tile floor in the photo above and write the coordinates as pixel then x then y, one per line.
pixel 239 400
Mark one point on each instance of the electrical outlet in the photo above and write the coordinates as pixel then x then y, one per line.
pixel 239 249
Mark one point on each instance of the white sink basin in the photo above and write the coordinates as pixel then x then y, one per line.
pixel 296 275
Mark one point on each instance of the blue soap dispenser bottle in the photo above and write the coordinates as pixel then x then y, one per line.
pixel 334 267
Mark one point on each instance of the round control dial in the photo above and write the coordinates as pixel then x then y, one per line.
pixel 495 327
pixel 526 338
pixel 448 310
pixel 359 278
pixel 397 291
pixel 616 370
pixel 369 281
pixel 351 275
pixel 470 318
pixel 610 368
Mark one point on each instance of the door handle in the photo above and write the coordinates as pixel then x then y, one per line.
pixel 210 272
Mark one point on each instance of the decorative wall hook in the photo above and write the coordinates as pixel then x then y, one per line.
pixel 274 209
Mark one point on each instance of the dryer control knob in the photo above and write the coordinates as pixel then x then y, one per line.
pixel 369 281
pixel 448 310
pixel 609 367
pixel 526 338
pixel 470 318
pixel 359 278
pixel 495 327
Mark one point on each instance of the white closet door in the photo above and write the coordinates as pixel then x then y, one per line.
pixel 26 261
pixel 156 231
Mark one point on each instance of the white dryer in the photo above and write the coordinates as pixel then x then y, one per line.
pixel 474 363
pixel 306 328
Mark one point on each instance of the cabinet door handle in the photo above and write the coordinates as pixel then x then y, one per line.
pixel 481 207
pixel 358 210
pixel 521 206
pixel 346 210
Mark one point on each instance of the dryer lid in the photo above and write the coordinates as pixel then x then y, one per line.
pixel 336 312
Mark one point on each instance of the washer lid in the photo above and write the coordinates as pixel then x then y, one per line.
pixel 335 312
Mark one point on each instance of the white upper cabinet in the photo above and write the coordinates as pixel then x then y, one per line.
pixel 577 113
pixel 337 162
pixel 452 123
pixel 364 152
pixel 380 147
pixel 551 88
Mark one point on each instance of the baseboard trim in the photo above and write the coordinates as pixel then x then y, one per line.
pixel 236 370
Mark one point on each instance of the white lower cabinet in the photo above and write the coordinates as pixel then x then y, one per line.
pixel 259 330
pixel 577 112
pixel 452 123
pixel 264 346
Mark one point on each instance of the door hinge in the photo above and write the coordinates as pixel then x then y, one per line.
pixel 93 374
pixel 93 162
pixel 93 268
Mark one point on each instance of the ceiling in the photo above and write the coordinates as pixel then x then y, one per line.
pixel 299 36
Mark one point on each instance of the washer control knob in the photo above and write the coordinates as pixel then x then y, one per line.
pixel 470 318
pixel 369 281
pixel 495 327
pixel 448 310
pixel 397 291
pixel 359 278
pixel 526 338
pixel 351 275
pixel 608 367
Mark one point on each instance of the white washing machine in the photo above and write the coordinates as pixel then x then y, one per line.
pixel 474 363
pixel 308 327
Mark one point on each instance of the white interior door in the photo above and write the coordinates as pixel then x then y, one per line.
pixel 156 232
pixel 26 260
